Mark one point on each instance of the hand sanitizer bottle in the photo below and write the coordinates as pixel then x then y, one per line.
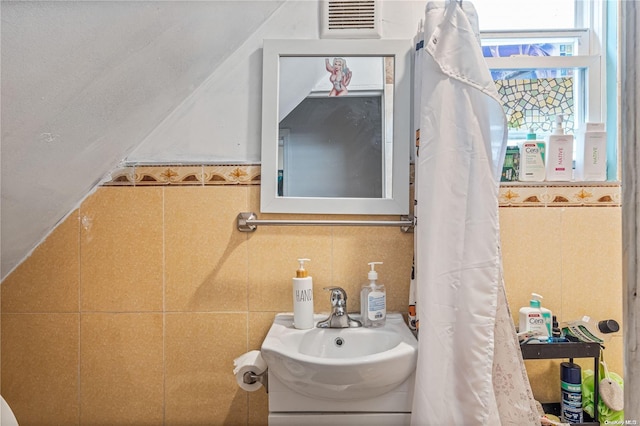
pixel 373 300
pixel 302 298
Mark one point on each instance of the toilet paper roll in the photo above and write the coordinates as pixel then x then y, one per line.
pixel 251 362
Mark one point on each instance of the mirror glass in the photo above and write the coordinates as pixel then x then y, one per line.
pixel 332 112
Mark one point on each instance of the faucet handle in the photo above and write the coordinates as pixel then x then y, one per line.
pixel 338 317
pixel 338 296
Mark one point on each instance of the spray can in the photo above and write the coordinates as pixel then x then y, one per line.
pixel 571 389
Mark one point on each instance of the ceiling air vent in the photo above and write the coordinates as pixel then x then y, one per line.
pixel 350 19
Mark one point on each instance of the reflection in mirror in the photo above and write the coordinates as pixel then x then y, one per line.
pixel 335 127
pixel 332 128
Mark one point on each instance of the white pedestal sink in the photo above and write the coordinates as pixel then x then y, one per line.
pixel 340 366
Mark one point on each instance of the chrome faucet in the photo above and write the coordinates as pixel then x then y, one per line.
pixel 338 317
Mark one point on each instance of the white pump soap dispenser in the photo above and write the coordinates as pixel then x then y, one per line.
pixel 559 154
pixel 302 298
pixel 535 319
pixel 373 300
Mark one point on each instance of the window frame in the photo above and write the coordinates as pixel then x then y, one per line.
pixel 583 59
pixel 600 38
pixel 593 79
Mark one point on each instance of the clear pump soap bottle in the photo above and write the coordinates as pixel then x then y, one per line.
pixel 373 300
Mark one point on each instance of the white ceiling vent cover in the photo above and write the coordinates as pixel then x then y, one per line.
pixel 350 19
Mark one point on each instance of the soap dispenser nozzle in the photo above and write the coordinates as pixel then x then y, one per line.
pixel 301 272
pixel 559 129
pixel 535 300
pixel 373 275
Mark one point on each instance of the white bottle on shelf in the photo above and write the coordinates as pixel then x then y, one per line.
pixel 535 319
pixel 302 298
pixel 532 151
pixel 559 154
pixel 591 153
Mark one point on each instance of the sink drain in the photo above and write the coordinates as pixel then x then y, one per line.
pixel 339 341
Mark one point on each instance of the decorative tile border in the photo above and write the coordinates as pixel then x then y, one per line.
pixel 560 194
pixel 512 194
pixel 185 175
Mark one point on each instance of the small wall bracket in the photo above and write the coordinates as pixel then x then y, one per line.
pixel 243 226
pixel 250 378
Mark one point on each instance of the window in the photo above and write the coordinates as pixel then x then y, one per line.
pixel 546 59
pixel 523 15
pixel 540 75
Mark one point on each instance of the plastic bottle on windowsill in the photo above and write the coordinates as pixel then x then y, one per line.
pixel 559 154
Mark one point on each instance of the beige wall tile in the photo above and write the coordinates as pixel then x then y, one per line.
pixel 258 408
pixel 544 376
pixel 531 241
pixel 351 248
pixel 259 324
pixel 121 369
pixel 199 352
pixel 613 354
pixel 47 281
pixel 209 266
pixel 273 254
pixel 592 263
pixel 254 199
pixel 40 367
pixel 355 247
pixel 592 270
pixel 121 250
pixel 578 251
pixel 205 255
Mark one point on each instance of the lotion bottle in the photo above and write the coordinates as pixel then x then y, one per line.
pixel 559 154
pixel 302 298
pixel 536 319
pixel 373 300
pixel 591 153
pixel 532 168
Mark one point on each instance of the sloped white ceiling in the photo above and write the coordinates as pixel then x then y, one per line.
pixel 83 82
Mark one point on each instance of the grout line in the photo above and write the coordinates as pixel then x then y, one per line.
pixel 331 259
pixel 134 312
pixel 79 380
pixel 247 199
pixel 562 246
pixel 164 315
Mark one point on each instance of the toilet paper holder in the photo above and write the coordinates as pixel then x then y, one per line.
pixel 250 378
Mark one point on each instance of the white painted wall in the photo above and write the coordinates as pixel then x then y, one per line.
pixel 84 82
pixel 87 85
pixel 227 107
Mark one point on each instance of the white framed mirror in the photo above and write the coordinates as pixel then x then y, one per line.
pixel 336 126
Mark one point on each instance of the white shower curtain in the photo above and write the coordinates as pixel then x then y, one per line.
pixel 470 370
